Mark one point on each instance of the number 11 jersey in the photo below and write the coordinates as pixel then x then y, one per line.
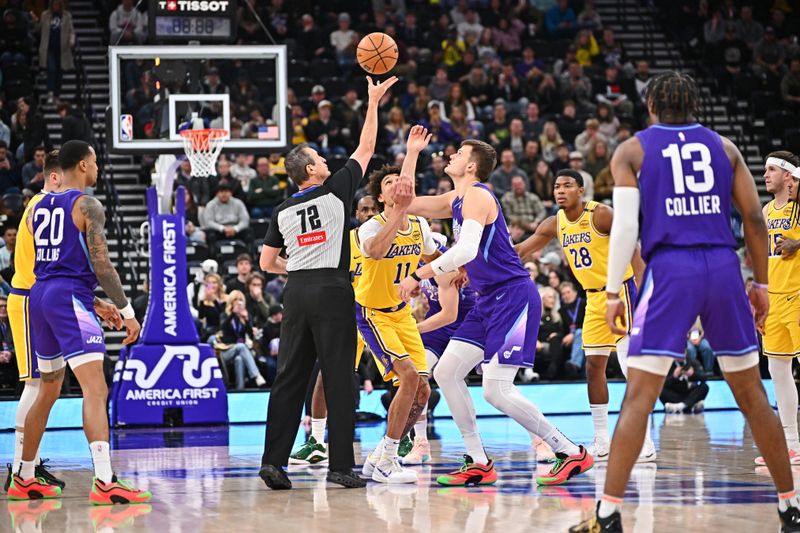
pixel 685 182
pixel 586 248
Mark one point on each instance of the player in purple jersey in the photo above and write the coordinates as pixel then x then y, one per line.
pixel 501 329
pixel 448 306
pixel 685 176
pixel 71 258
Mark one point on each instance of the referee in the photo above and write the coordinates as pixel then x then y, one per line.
pixel 319 320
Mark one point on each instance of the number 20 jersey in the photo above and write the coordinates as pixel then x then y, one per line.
pixel 61 250
pixel 685 183
pixel 586 248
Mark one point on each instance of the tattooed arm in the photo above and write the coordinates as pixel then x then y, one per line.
pixel 90 218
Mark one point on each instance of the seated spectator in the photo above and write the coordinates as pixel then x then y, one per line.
pixel 562 158
pixel 440 129
pixel 225 217
pixel 500 178
pixel 510 89
pixel 589 19
pixel 497 130
pixel 586 139
pixel 598 158
pixel 192 216
pixel 429 180
pixel 586 48
pixel 561 21
pixel 224 175
pixel 211 305
pixel 731 54
pixel 244 267
pixel 699 350
pixel 212 84
pixel 470 25
pixel 685 389
pixel 5 132
pixel 275 288
pixel 612 51
pixel 522 205
pixel 324 133
pixel 198 187
pixel 265 191
pixel 242 171
pixel 33 171
pixel 714 29
pixel 127 24
pixel 236 333
pixel 577 87
pixel 342 41
pixel 604 186
pixel 311 39
pixel 254 124
pixel 257 304
pixel 418 110
pixel 608 124
pixel 9 374
pixel 549 343
pixel 528 63
pixel 272 331
pixel 439 87
pixel 395 132
pixel 516 139
pixel 452 48
pixel 572 311
pixel 790 85
pixel 7 251
pixel 462 126
pixel 576 164
pixel 486 49
pixel 74 124
pixel 768 57
pixel 477 88
pixel 549 140
pixel 614 90
pixel 532 124
pixel 457 97
pixel 31 129
pixel 568 122
pixel 543 184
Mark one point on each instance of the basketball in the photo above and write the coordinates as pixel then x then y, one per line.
pixel 377 53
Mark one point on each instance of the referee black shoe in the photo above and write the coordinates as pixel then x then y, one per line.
pixel 790 520
pixel 275 477
pixel 346 478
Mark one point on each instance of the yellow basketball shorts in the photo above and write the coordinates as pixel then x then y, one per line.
pixel 597 337
pixel 19 318
pixel 782 331
pixel 392 336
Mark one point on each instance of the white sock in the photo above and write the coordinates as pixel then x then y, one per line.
pixel 788 499
pixel 318 429
pixel 27 469
pixel 456 362
pixel 600 420
pixel 378 451
pixel 389 450
pixel 786 398
pixel 18 437
pixel 421 430
pixel 101 457
pixel 608 506
pixel 560 443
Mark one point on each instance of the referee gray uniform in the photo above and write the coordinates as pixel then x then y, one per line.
pixel 319 320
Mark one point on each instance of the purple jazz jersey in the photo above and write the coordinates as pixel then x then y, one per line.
pixel 685 182
pixel 63 323
pixel 692 268
pixel 436 340
pixel 707 284
pixel 505 320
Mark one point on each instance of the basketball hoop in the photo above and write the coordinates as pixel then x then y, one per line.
pixel 203 148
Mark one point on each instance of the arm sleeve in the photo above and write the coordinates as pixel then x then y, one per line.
pixel 464 251
pixel 428 244
pixel 346 181
pixel 367 230
pixel 274 239
pixel 624 234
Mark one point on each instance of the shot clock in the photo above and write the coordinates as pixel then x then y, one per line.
pixel 180 21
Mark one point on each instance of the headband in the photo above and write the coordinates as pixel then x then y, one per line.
pixel 782 164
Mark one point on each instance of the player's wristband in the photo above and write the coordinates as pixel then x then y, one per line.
pixel 416 277
pixel 127 312
pixel 757 285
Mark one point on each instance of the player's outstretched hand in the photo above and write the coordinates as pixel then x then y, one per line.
pixel 108 313
pixel 403 192
pixel 132 329
pixel 418 139
pixel 378 89
pixel 760 303
pixel 615 315
pixel 408 288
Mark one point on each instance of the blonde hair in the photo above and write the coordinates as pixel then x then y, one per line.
pixel 220 286
pixel 554 314
pixel 232 297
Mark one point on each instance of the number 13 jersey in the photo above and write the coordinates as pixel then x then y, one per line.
pixel 685 182
pixel 61 250
pixel 586 248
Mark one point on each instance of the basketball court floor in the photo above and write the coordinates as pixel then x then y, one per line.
pixel 206 479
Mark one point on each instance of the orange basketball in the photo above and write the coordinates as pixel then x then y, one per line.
pixel 377 53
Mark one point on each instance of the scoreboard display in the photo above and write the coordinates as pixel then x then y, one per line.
pixel 180 21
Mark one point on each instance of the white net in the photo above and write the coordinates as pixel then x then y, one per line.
pixel 203 148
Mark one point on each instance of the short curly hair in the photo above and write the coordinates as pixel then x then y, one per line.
pixel 376 179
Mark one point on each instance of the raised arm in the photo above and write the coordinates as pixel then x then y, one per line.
pixel 89 217
pixel 546 232
pixel 448 299
pixel 369 133
pixel 432 207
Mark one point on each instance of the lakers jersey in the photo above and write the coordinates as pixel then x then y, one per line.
pixel 586 249
pixel 377 288
pixel 356 258
pixel 24 278
pixel 784 274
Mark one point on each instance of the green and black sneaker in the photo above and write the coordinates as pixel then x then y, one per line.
pixel 311 453
pixel 405 446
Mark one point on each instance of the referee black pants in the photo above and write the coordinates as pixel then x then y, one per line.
pixel 319 322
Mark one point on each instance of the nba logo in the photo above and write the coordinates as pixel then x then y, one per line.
pixel 126 127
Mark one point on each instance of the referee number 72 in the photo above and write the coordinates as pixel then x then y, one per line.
pixel 309 219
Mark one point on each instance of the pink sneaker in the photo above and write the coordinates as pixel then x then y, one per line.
pixel 419 454
pixel 794 458
pixel 544 453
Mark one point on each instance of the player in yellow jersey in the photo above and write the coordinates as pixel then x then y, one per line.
pixel 582 229
pixel 393 243
pixel 781 335
pixel 314 451
pixel 18 314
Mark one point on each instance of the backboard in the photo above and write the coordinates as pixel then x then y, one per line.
pixel 156 91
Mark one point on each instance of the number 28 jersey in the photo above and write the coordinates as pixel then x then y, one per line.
pixel 586 248
pixel 61 250
pixel 685 182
